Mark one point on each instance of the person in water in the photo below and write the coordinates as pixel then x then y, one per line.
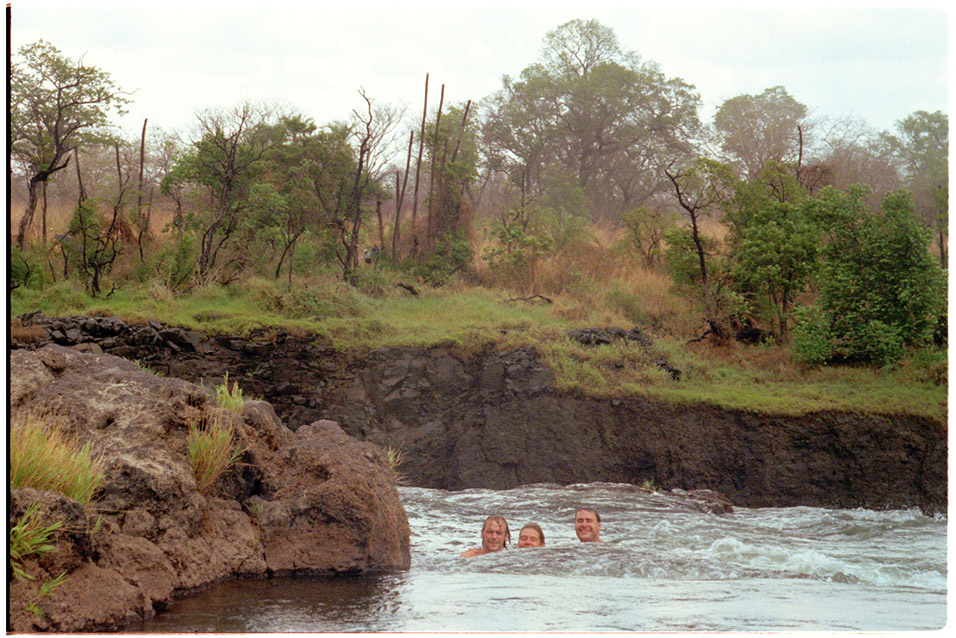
pixel 494 537
pixel 531 536
pixel 587 525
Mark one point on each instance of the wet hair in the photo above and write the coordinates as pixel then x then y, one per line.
pixel 597 516
pixel 536 528
pixel 501 522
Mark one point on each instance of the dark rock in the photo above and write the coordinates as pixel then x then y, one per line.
pixel 327 502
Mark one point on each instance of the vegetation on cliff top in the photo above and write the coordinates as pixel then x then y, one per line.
pixel 586 192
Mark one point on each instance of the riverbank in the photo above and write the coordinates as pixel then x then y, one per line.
pixel 496 419
pixel 312 501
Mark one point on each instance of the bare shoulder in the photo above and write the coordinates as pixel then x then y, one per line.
pixel 474 551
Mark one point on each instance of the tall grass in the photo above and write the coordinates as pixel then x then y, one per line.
pixel 211 450
pixel 43 456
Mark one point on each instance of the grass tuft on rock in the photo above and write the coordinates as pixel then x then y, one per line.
pixel 45 457
pixel 230 398
pixel 211 450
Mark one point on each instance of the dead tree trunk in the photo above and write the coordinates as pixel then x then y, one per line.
pixel 431 184
pixel 418 173
pixel 143 220
pixel 399 199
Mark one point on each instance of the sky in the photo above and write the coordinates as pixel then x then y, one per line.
pixel 872 64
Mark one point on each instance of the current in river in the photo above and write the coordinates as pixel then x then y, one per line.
pixel 664 566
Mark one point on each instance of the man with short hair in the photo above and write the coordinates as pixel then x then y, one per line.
pixel 587 525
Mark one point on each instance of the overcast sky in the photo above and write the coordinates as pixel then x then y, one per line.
pixel 875 64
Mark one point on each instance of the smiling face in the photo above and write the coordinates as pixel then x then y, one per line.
pixel 587 526
pixel 494 534
pixel 530 537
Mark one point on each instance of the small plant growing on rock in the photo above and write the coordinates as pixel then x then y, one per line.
pixel 229 398
pixel 395 456
pixel 43 456
pixel 28 538
pixel 211 450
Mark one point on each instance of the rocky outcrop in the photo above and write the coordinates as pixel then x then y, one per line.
pixel 495 420
pixel 311 501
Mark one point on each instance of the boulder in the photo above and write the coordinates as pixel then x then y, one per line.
pixel 316 501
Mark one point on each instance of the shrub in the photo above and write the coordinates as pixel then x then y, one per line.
pixel 811 342
pixel 44 457
pixel 211 450
pixel 451 254
pixel 880 288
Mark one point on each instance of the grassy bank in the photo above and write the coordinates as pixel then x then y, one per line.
pixel 377 314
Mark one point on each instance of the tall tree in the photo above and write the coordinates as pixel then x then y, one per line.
pixel 600 115
pixel 922 147
pixel 56 104
pixel 756 129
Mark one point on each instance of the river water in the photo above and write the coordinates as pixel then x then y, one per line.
pixel 664 566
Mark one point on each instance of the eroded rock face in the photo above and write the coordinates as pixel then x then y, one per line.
pixel 495 420
pixel 309 502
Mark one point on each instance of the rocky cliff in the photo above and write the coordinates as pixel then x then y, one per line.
pixel 310 501
pixel 495 420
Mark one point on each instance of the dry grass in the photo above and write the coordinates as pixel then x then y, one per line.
pixel 25 334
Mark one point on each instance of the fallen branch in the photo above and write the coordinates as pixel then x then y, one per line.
pixel 531 298
pixel 410 289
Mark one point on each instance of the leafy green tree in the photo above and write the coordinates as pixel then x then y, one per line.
pixel 756 129
pixel 91 249
pixel 773 241
pixel 880 288
pixel 55 106
pixel 285 206
pixel 922 147
pixel 226 159
pixel 776 258
pixel 701 189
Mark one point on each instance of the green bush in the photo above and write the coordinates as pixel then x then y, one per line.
pixel 450 256
pixel 880 288
pixel 811 338
pixel 26 269
pixel 28 538
pixel 230 398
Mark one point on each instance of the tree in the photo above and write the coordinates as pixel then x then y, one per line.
pixel 226 158
pixel 922 147
pixel 372 132
pixel 55 106
pixel 595 113
pixel 775 259
pixel 880 289
pixel 701 190
pixel 756 129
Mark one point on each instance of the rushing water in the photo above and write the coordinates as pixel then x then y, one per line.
pixel 664 566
